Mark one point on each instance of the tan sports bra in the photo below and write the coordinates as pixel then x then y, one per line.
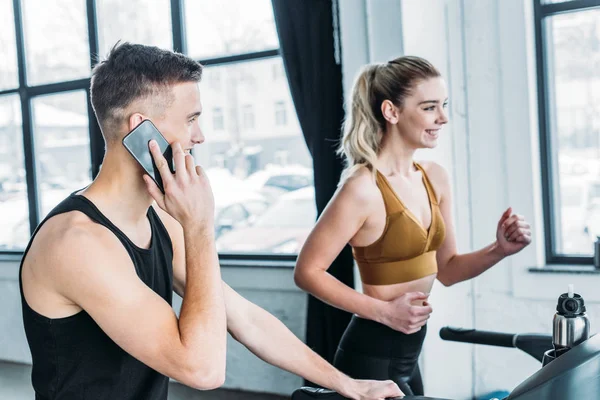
pixel 406 250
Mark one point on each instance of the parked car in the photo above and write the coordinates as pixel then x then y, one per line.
pixel 274 180
pixel 282 228
pixel 238 211
pixel 235 201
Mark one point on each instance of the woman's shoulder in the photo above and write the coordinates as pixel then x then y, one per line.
pixel 360 185
pixel 437 175
pixel 434 170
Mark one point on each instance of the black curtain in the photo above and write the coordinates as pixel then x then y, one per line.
pixel 308 38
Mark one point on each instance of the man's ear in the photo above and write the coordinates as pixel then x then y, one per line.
pixel 135 119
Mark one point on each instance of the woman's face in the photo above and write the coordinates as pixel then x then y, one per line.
pixel 424 113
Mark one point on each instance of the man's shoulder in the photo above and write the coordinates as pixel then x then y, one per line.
pixel 72 226
pixel 71 235
pixel 70 255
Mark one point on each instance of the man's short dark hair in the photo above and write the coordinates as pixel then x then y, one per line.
pixel 134 71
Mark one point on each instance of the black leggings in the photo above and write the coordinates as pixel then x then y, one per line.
pixel 370 350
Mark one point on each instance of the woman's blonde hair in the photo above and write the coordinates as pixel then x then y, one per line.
pixel 365 124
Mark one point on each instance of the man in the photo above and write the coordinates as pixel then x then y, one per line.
pixel 98 275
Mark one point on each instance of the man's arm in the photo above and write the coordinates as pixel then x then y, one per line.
pixel 269 339
pixel 102 280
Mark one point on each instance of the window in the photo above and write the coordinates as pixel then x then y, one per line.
pixel 569 92
pixel 229 27
pixel 13 187
pixel 248 116
pixel 8 62
pixel 237 42
pixel 56 40
pixel 280 113
pixel 50 142
pixel 62 143
pixel 218 119
pixel 134 21
pixel 246 165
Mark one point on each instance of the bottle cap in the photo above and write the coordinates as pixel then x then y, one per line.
pixel 570 304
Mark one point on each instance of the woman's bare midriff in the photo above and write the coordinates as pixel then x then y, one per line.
pixel 390 292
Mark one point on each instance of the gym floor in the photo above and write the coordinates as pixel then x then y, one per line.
pixel 15 384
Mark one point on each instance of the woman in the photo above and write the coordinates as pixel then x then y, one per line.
pixel 397 216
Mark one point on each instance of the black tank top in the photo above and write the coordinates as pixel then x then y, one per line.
pixel 72 357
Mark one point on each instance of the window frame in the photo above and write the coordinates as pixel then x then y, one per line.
pixel 545 111
pixel 26 93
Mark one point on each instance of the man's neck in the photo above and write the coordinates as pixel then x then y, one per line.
pixel 119 190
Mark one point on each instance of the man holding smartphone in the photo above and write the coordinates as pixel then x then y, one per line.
pixel 98 274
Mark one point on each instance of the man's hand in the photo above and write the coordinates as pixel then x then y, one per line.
pixel 373 390
pixel 188 196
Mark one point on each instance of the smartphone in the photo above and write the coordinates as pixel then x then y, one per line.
pixel 136 142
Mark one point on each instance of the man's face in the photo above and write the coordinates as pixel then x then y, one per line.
pixel 179 122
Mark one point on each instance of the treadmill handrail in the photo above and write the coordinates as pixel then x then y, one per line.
pixel 534 344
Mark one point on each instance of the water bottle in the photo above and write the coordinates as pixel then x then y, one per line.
pixel 570 325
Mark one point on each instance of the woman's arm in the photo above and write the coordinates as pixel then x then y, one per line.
pixel 512 235
pixel 341 220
